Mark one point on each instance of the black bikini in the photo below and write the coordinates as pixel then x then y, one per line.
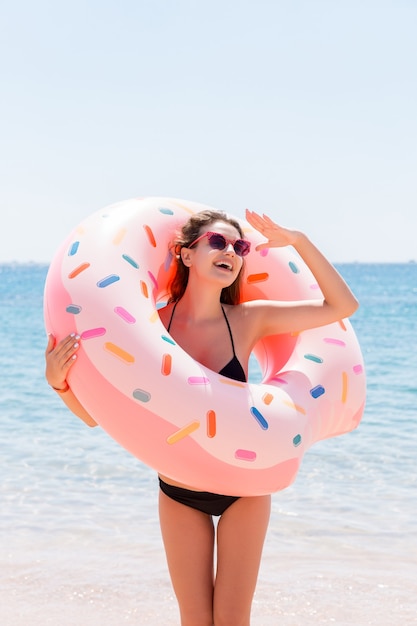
pixel 205 501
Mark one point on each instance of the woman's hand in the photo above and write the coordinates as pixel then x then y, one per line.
pixel 277 236
pixel 59 358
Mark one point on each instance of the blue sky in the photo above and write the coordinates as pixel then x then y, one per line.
pixel 305 110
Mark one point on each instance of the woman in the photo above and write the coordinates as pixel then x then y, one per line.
pixel 206 319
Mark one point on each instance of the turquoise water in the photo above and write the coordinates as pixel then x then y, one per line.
pixel 79 529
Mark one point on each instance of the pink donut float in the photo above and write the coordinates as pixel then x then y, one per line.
pixel 180 418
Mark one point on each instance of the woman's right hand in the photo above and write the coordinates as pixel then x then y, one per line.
pixel 59 358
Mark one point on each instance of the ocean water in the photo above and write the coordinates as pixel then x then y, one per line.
pixel 79 532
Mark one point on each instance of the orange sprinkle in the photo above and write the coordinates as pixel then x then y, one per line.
pixel 144 288
pixel 230 381
pixel 150 234
pixel 119 352
pixel 211 423
pixel 257 278
pixel 267 398
pixel 345 381
pixel 166 364
pixel 78 270
pixel 297 407
pixel 183 432
pixel 119 236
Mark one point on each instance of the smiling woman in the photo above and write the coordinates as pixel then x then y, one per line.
pixel 172 379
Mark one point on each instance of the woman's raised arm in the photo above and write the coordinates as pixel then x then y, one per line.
pixel 338 300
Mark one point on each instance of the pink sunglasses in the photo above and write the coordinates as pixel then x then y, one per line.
pixel 220 242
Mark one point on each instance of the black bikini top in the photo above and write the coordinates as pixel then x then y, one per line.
pixel 233 369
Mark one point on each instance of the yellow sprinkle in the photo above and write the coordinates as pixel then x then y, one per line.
pixel 119 236
pixel 297 407
pixel 154 317
pixel 183 432
pixel 119 352
pixel 344 386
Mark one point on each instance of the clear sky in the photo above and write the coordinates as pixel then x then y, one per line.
pixel 303 109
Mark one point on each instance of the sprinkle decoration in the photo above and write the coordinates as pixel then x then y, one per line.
pixel 183 432
pixel 78 270
pixel 119 352
pixel 259 418
pixel 125 315
pixel 257 278
pixel 108 280
pixel 74 248
pixel 211 424
pixel 92 333
pixel 75 309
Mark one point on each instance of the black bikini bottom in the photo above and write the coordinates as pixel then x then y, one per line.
pixel 211 503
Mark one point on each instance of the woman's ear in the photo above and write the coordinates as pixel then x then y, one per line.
pixel 186 257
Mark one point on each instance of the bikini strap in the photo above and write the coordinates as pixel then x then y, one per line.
pixel 230 332
pixel 172 315
pixel 225 317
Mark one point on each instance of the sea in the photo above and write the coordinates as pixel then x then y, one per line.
pixel 80 542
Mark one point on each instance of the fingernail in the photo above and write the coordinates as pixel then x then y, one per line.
pixel 72 335
pixel 74 356
pixel 76 345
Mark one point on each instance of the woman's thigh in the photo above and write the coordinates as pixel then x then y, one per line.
pixel 188 537
pixel 240 538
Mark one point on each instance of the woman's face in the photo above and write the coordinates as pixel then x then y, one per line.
pixel 214 264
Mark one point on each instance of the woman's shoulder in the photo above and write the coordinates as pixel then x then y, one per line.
pixel 245 313
pixel 246 307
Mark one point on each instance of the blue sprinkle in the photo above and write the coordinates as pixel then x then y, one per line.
pixel 109 280
pixel 74 248
pixel 297 440
pixel 168 339
pixel 166 211
pixel 73 308
pixel 129 259
pixel 259 418
pixel 313 357
pixel 293 267
pixel 318 391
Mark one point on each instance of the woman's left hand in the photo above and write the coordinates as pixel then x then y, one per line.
pixel 277 236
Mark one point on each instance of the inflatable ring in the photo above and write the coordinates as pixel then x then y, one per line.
pixel 177 416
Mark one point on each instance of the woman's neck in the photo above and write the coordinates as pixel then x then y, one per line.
pixel 200 304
